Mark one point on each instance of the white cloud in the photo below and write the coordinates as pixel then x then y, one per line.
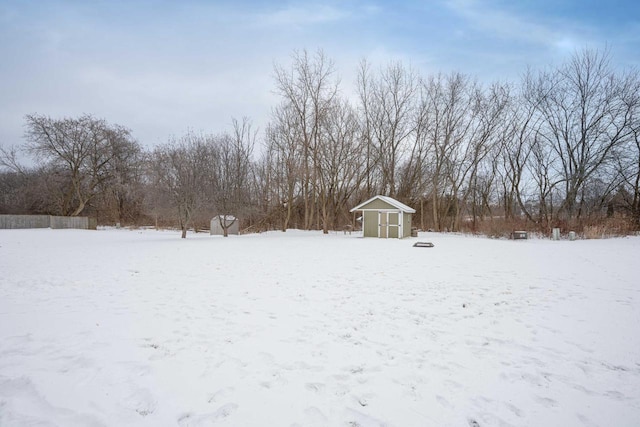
pixel 510 26
pixel 301 15
pixel 156 104
pixel 196 64
pixel 566 44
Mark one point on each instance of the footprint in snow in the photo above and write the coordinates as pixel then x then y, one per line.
pixel 196 420
pixel 317 387
pixel 444 402
pixel 315 416
pixel 142 401
pixel 221 394
pixel 546 401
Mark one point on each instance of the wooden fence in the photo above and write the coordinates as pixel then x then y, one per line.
pixel 47 221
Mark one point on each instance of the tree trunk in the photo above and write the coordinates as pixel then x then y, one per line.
pixel 79 209
pixel 287 218
pixel 436 220
pixel 325 217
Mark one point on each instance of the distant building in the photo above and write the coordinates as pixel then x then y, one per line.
pixel 385 217
pixel 229 221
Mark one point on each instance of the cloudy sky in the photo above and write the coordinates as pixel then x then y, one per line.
pixel 162 67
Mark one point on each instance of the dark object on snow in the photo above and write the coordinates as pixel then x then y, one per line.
pixel 519 235
pixel 423 245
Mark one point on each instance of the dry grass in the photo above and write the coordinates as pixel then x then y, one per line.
pixel 594 232
pixel 611 227
pixel 498 228
pixel 593 229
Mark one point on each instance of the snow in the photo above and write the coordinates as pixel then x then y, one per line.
pixel 121 327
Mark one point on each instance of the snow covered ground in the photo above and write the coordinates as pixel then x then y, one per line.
pixel 142 328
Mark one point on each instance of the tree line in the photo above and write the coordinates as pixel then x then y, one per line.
pixel 559 148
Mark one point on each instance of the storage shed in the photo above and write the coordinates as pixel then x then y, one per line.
pixel 385 217
pixel 231 222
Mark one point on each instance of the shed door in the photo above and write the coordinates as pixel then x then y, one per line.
pixel 383 224
pixel 393 224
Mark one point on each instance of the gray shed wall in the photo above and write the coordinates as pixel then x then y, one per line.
pixel 370 223
pixel 378 204
pixel 216 228
pixel 406 226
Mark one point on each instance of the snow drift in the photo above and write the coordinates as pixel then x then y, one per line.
pixel 119 327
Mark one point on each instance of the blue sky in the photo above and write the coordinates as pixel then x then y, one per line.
pixel 162 67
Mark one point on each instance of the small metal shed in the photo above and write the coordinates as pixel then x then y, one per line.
pixel 385 217
pixel 229 221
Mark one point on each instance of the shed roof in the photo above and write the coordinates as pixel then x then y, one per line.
pixel 393 202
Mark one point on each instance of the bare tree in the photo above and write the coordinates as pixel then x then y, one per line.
pixel 285 165
pixel 488 112
pixel 414 171
pixel 179 169
pixel 83 149
pixel 340 162
pixel 628 156
pixel 584 118
pixel 120 197
pixel 364 82
pixel 15 182
pixel 449 135
pixel 514 151
pixel 308 89
pixel 388 104
pixel 9 160
pixel 231 161
pixel 631 178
